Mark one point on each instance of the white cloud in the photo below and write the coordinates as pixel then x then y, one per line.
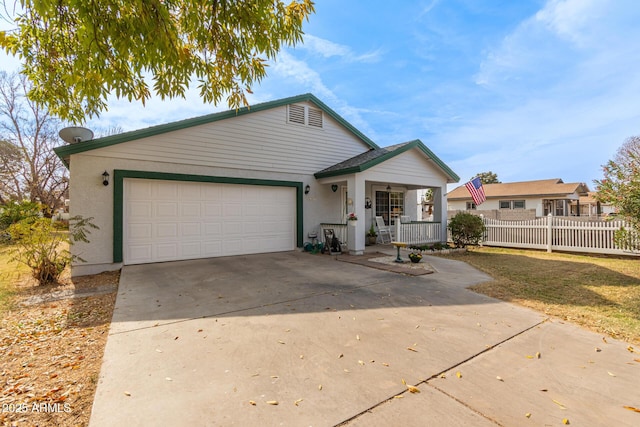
pixel 559 95
pixel 328 49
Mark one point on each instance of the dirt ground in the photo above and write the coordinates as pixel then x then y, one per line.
pixel 51 345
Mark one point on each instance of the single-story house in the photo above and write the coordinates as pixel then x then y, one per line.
pixel 541 197
pixel 254 180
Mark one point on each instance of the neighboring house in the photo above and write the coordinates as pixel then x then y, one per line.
pixel 517 200
pixel 590 207
pixel 255 180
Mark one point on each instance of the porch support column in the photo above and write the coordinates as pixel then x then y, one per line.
pixel 356 235
pixel 440 211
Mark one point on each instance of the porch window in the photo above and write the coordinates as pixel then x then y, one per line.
pixel 389 205
pixel 471 206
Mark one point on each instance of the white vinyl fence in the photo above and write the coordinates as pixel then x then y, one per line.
pixel 556 233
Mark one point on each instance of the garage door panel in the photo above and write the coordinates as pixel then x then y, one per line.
pixel 212 229
pixel 190 209
pixel 140 231
pixel 166 251
pixel 212 210
pixel 166 209
pixel 212 248
pixel 232 228
pixel 167 191
pixel 140 189
pixel 192 229
pixel 190 250
pixel 190 191
pixel 230 210
pixel 171 220
pixel 140 209
pixel 140 253
pixel 167 230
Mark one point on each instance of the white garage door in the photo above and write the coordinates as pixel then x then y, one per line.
pixel 174 220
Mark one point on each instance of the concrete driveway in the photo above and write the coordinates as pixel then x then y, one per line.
pixel 220 341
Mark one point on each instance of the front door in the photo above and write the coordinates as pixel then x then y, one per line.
pixel 389 205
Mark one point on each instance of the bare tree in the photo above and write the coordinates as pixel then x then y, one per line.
pixel 29 169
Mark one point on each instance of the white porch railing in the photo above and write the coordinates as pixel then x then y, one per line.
pixel 340 231
pixel 554 233
pixel 418 232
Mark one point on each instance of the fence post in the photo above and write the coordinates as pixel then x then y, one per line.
pixel 549 232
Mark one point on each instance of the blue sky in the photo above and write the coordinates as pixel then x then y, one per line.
pixel 528 89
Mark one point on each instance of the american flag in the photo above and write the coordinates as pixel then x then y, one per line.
pixel 477 191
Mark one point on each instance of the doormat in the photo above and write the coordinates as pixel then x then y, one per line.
pixel 386 262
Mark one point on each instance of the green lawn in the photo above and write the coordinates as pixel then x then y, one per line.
pixel 599 292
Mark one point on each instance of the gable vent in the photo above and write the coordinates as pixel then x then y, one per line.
pixel 315 118
pixel 296 114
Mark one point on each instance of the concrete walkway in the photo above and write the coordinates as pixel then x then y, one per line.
pixel 221 341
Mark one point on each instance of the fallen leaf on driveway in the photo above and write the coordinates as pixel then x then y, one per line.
pixel 499 378
pixel 297 402
pixel 280 342
pixel 272 402
pixel 412 349
pixel 528 415
pixel 252 402
pixel 126 393
pixel 631 349
pixel 612 374
pixel 413 389
pixel 565 421
pixel 631 408
pixel 459 374
pixel 559 404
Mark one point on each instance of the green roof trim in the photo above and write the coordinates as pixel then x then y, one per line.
pixel 65 151
pixel 374 157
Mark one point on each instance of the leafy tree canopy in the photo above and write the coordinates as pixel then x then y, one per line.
pixel 620 187
pixel 76 52
pixel 488 177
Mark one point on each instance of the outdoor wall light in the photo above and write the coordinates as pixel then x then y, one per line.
pixel 105 178
pixel 367 203
pixel 334 188
pixel 388 187
pixel 307 189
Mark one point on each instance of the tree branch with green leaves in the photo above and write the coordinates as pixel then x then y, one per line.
pixel 78 52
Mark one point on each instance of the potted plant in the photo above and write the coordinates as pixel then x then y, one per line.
pixel 352 219
pixel 415 257
pixel 372 236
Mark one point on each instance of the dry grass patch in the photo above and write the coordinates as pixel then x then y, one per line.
pixel 598 292
pixel 52 351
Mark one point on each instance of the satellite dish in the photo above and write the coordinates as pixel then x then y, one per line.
pixel 75 134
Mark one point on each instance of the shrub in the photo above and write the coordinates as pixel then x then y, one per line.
pixel 13 212
pixel 40 246
pixel 466 229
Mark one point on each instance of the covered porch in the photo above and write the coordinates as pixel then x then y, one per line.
pixel 388 183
